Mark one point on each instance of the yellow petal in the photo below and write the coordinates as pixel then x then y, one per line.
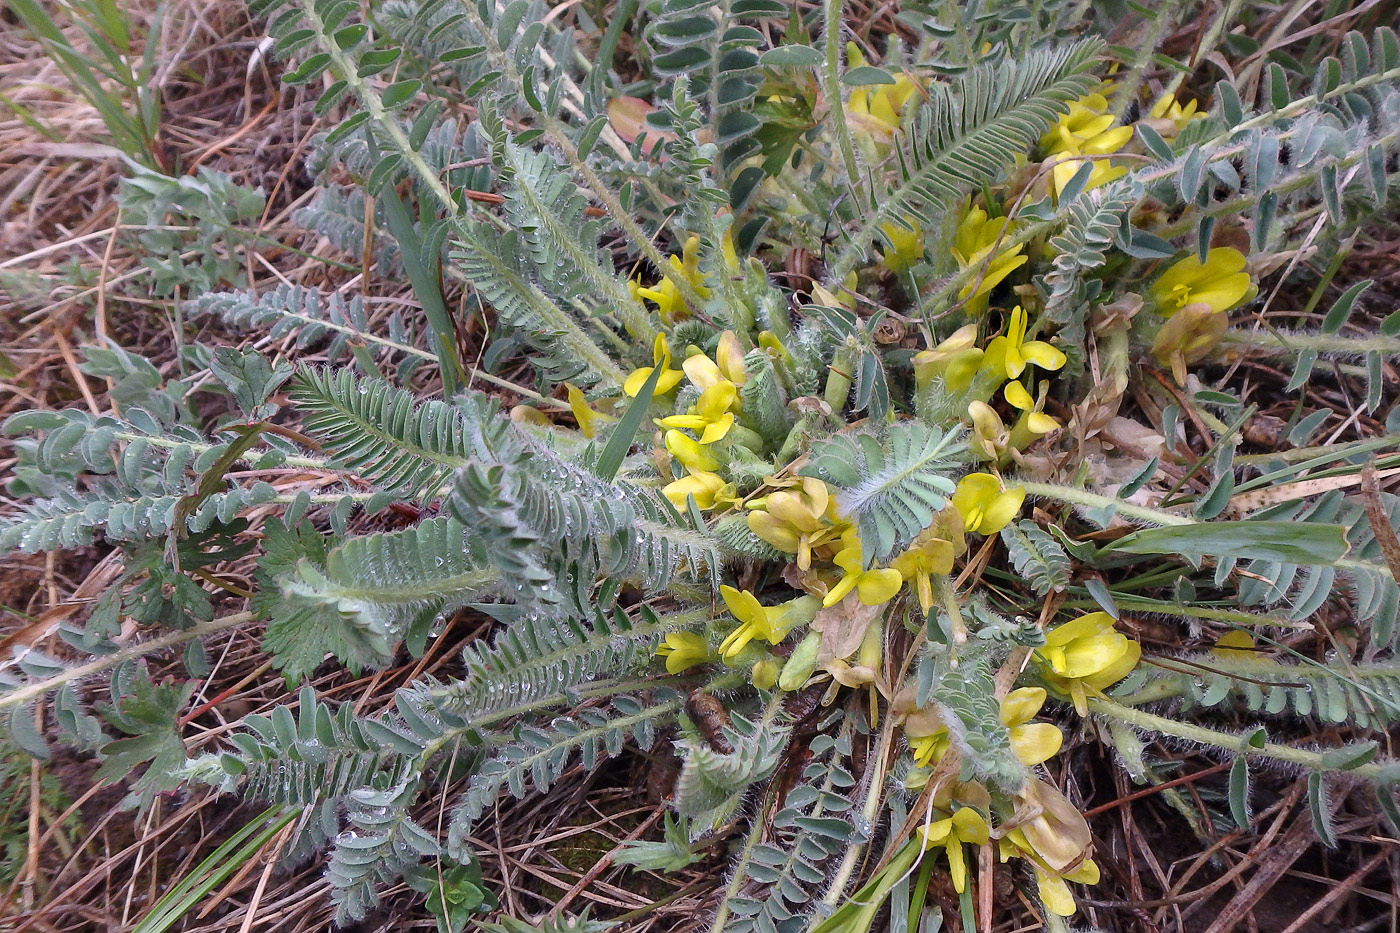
pixel 971 826
pixel 702 371
pixel 730 356
pixel 1001 511
pixel 635 380
pixel 777 533
pixel 670 378
pixel 717 399
pixel 1021 705
pixel 1086 625
pixel 716 430
pixel 1040 423
pixel 1055 894
pixel 957 864
pixel 1086 873
pixel 1043 354
pixel 1018 397
pixel 877 587
pixel 690 452
pixel 937 832
pixel 1224 293
pixel 839 591
pixel 1036 742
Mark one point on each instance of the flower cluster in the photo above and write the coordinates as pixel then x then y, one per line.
pixel 968 377
pixel 811 603
pixel 1041 827
pixel 1088 132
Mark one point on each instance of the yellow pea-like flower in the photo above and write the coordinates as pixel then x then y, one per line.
pixel 683 650
pixel 986 507
pixel 1219 282
pixel 1086 656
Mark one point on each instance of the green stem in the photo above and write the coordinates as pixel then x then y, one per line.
pixel 739 879
pixel 1093 500
pixel 553 317
pixel 1235 744
pixel 1287 342
pixel 1242 203
pixel 831 86
pixel 614 207
pixel 873 799
pixel 37 689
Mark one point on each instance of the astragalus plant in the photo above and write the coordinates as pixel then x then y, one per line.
pixel 875 396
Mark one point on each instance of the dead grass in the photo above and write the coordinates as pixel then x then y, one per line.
pixel 72 279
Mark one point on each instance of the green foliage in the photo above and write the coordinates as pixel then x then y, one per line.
pixel 969 132
pixel 380 431
pixel 1038 558
pixel 671 854
pixel 714 777
pixel 196 226
pixel 811 830
pixel 116 77
pixel 892 483
pixel 783 437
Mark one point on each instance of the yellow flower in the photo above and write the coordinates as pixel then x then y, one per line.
pixel 770 623
pixel 956 360
pixel 1055 894
pixel 710 415
pixel 706 373
pixel 1013 352
pixel 952 833
pixel 1037 421
pixel 990 438
pixel 1217 282
pixel 1168 112
pixel 977 235
pixel 709 489
pixel 586 415
pixel 875 108
pixel 906 245
pixel 872 587
pixel 986 507
pixel 690 452
pixel 683 650
pixel 930 553
pixel 1187 337
pixel 1085 656
pixel 669 378
pixel 666 294
pixel 1087 130
pixel 797 520
pixel 1033 742
pixel 1055 841
pixel 929 748
pixel 1033 422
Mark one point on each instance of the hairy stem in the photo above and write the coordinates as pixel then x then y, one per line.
pixel 831 86
pixel 1235 744
pixel 1093 500
pixel 130 653
pixel 1286 343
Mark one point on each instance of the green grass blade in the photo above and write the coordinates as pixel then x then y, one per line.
pixel 214 870
pixel 610 460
